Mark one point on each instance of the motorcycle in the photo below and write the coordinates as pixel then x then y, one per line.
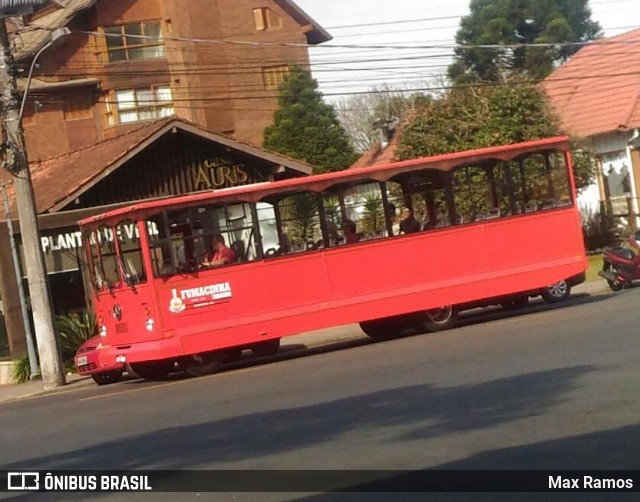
pixel 621 266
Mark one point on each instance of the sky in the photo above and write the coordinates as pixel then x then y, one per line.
pixel 410 42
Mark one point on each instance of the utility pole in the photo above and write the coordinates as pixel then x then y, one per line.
pixel 16 161
pixel 34 368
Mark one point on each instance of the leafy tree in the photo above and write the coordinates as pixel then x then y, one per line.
pixel 469 117
pixel 306 128
pixel 519 23
pixel 362 115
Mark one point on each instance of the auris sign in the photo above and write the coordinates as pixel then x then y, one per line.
pixel 216 173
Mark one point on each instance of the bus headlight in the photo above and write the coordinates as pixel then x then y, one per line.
pixel 149 324
pixel 103 330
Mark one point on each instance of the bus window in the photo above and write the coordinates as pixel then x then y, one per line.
pixel 235 223
pixel 92 245
pixel 560 179
pixel 183 239
pixel 471 194
pixel 424 193
pixel 333 203
pixel 537 182
pixel 544 182
pixel 501 183
pixel 358 207
pixel 108 256
pixel 172 249
pixel 300 222
pixel 395 200
pixel 131 252
pixel 272 244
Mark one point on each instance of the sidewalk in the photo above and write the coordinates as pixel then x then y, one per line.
pixel 32 388
pixel 312 339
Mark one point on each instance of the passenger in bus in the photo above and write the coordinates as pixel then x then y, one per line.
pixel 408 222
pixel 220 254
pixel 351 235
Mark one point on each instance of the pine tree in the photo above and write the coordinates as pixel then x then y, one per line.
pixel 306 128
pixel 528 37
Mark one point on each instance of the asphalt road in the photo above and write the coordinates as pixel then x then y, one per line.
pixel 551 388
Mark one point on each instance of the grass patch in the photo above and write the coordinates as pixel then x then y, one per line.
pixel 595 265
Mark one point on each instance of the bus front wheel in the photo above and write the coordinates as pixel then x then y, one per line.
pixel 204 364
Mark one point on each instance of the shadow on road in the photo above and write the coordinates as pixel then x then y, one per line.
pixel 410 413
pixel 607 450
pixel 468 318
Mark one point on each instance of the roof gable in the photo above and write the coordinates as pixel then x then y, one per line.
pixel 60 180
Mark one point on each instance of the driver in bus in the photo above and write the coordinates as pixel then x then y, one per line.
pixel 220 254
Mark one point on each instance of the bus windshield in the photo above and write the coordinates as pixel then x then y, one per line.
pixel 115 263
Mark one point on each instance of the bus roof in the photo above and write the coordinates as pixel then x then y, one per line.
pixel 319 182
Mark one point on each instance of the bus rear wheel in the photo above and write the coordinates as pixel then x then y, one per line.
pixel 266 348
pixel 155 370
pixel 204 363
pixel 556 292
pixel 438 319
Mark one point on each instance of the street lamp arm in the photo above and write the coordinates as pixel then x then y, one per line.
pixel 55 35
pixel 28 84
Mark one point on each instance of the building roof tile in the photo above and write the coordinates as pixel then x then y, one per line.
pixel 598 89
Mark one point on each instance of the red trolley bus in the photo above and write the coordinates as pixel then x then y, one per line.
pixel 405 244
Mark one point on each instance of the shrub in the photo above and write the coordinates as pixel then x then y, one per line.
pixel 598 229
pixel 21 370
pixel 73 330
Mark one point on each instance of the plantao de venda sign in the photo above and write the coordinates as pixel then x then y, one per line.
pixel 19 7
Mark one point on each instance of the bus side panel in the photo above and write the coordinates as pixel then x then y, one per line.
pixel 406 261
pixel 285 296
pixel 523 241
pixel 258 289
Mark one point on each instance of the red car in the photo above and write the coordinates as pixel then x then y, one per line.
pixel 89 362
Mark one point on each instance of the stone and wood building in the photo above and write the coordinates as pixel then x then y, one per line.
pixel 145 98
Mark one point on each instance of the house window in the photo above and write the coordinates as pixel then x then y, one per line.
pixel 266 19
pixel 79 108
pixel 130 42
pixel 136 105
pixel 274 76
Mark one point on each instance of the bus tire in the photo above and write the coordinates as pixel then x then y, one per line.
pixel 439 319
pixel 556 292
pixel 107 377
pixel 266 348
pixel 204 363
pixel 154 370
pixel 515 303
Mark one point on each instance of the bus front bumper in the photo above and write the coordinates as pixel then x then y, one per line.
pixel 155 350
